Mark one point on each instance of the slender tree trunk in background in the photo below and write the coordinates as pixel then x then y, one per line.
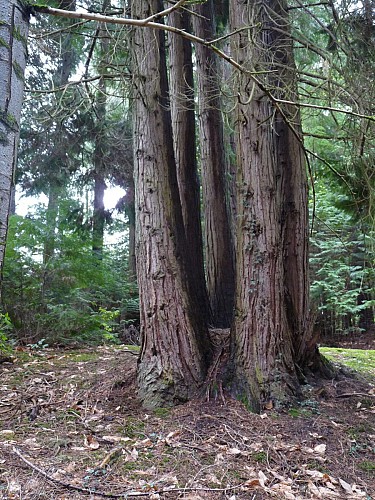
pixel 51 224
pixel 130 212
pixel 272 320
pixel 98 219
pixel 14 25
pixel 55 183
pixel 218 238
pixel 183 125
pixel 174 340
pixel 49 240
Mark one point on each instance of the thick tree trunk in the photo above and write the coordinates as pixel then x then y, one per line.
pixel 271 323
pixel 14 24
pixel 183 125
pixel 218 238
pixel 172 361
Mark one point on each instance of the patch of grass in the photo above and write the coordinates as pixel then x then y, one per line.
pixel 259 456
pixel 130 466
pixel 25 356
pixel 360 431
pixel 162 412
pixel 368 466
pixel 301 412
pixel 83 357
pixel 294 412
pixel 315 465
pixel 133 428
pixel 131 347
pixel 360 360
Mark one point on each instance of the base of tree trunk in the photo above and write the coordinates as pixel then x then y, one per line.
pixel 158 389
pixel 316 364
pixel 284 389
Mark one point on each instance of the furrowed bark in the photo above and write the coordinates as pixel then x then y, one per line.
pixel 271 323
pixel 183 125
pixel 219 250
pixel 14 25
pixel 172 361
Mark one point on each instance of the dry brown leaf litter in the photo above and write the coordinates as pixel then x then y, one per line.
pixel 71 427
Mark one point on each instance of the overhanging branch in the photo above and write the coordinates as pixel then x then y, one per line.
pixel 149 23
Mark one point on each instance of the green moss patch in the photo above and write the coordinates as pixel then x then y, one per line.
pixel 362 361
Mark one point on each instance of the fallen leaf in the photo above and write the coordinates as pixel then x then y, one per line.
pixel 116 439
pixel 330 485
pixel 314 489
pixel 262 479
pixel 346 486
pixel 251 483
pixel 315 435
pixel 256 447
pixel 145 443
pixel 169 478
pixel 284 491
pixel 320 448
pixel 171 438
pixel 234 451
pixel 91 442
pixel 277 476
pixel 315 474
pixel 6 433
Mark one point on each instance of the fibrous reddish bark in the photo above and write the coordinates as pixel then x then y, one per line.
pixel 172 363
pixel 219 250
pixel 271 323
pixel 183 124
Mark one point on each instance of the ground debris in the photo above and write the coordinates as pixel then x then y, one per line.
pixel 90 438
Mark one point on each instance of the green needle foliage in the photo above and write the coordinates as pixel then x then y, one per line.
pixel 74 298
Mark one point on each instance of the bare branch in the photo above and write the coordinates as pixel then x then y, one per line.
pixel 142 23
pixel 78 82
pixel 164 12
pixel 325 108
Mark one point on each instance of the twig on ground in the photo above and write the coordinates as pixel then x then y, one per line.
pixel 124 494
pixel 127 494
pixel 355 394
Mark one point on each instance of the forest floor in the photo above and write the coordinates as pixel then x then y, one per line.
pixel 71 427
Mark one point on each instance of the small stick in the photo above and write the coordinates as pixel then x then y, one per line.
pixel 125 494
pixel 355 394
pixel 111 457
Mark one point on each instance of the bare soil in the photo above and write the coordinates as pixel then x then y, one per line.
pixel 365 340
pixel 71 427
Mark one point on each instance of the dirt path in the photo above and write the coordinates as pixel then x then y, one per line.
pixel 71 427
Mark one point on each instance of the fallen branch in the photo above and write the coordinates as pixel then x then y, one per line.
pixel 124 494
pixel 355 394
